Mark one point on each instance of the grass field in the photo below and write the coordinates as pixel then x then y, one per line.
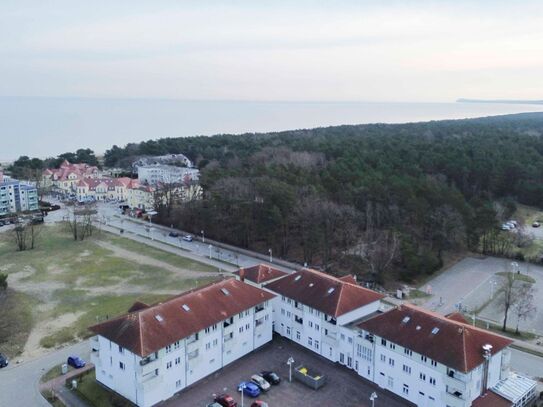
pixel 63 286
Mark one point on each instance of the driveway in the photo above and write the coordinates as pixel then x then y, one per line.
pixel 343 388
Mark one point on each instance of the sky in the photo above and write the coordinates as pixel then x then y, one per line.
pixel 419 51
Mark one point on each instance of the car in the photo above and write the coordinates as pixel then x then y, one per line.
pixel 173 234
pixel 271 377
pixel 259 403
pixel 225 400
pixel 188 238
pixel 536 224
pixel 76 361
pixel 214 404
pixel 249 389
pixel 260 382
pixel 4 361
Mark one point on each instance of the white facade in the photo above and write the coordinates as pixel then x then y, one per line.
pixel 154 174
pixel 147 381
pixel 16 196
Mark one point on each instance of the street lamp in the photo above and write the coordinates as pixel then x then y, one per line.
pixel 515 267
pixel 372 398
pixel 271 256
pixel 241 388
pixel 203 236
pixel 290 362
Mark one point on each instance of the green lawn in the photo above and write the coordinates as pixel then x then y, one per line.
pixel 64 276
pixel 97 396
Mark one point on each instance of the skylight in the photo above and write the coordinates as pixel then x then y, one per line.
pixel 405 320
pixel 418 328
pixel 331 290
pixel 435 331
pixel 297 277
pixel 225 291
pixel 159 318
pixel 185 307
pixel 311 284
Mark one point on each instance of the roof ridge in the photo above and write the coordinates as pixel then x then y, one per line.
pixel 338 300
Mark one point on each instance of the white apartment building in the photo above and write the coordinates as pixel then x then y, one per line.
pixel 424 357
pixel 167 174
pixel 155 351
pixel 16 196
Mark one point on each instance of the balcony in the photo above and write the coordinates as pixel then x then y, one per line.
pixel 298 319
pixel 148 365
pixel 455 392
pixel 458 381
pixel 149 381
pixel 453 401
pixel 259 308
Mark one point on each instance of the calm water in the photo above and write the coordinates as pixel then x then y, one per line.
pixel 46 126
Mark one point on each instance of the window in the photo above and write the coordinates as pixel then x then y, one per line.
pixel 310 341
pixel 342 336
pixel 310 324
pixel 178 383
pixel 422 376
pixel 383 358
pixel 288 330
pixel 247 327
pixel 317 327
pixel 215 342
pixel 168 348
pixel 423 358
pixel 122 366
pixel 391 361
pixel 193 354
pixel 407 369
pixel 282 311
pixel 384 342
pixel 350 340
pixel 177 360
pixel 341 358
pixel 316 344
pixel 434 363
pixel 168 365
pixel 390 382
pixel 405 389
pixel 288 314
pixel 121 349
pixel 392 346
pixel 240 329
pixel 432 381
pixel 298 335
pixel 349 361
pixel 407 351
pixel 207 330
pixel 208 345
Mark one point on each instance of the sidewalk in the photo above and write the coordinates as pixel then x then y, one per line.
pixel 65 395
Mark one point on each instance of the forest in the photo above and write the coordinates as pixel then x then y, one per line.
pixel 383 201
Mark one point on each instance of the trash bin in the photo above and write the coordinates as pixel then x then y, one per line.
pixel 64 368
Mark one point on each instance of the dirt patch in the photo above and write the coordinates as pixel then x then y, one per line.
pixel 149 261
pixel 32 347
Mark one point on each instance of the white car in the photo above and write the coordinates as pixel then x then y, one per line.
pixel 187 238
pixel 260 382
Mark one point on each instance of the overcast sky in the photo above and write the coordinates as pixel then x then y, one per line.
pixel 272 50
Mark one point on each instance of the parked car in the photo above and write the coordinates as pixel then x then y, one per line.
pixel 259 403
pixel 249 389
pixel 271 377
pixel 225 400
pixel 214 404
pixel 536 224
pixel 4 361
pixel 173 234
pixel 260 382
pixel 188 238
pixel 76 361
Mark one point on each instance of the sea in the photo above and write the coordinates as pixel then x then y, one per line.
pixel 45 127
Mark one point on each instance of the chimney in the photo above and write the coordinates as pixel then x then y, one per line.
pixel 487 354
pixel 241 274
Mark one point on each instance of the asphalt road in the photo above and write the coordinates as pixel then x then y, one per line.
pixel 19 382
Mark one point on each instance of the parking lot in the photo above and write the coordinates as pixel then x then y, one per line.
pixel 343 387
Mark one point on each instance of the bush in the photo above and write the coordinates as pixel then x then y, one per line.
pixel 519 256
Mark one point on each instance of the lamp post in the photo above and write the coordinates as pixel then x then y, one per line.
pixel 515 267
pixel 203 236
pixel 372 399
pixel 241 388
pixel 290 362
pixel 271 255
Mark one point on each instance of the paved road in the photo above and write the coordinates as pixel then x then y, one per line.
pixel 19 383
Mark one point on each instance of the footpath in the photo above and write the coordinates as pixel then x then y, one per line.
pixel 63 393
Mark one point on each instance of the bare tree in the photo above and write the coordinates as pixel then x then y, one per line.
pixel 26 235
pixel 380 252
pixel 525 307
pixel 80 221
pixel 509 296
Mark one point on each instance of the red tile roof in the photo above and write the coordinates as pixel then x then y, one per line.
pixel 349 279
pixel 147 330
pixel 491 399
pixel 454 344
pixel 324 292
pixel 260 273
pixel 458 317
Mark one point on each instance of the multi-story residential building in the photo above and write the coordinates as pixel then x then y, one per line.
pixel 155 351
pixel 167 174
pixel 315 309
pixel 65 178
pixel 101 189
pixel 16 196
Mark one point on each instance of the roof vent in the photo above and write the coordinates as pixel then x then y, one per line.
pixel 418 328
pixel 435 331
pixel 225 291
pixel 311 284
pixel 185 307
pixel 331 290
pixel 405 320
pixel 297 277
pixel 159 318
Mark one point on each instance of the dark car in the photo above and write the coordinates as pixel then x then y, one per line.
pixel 173 234
pixel 249 389
pixel 76 361
pixel 271 377
pixel 225 400
pixel 259 403
pixel 3 360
